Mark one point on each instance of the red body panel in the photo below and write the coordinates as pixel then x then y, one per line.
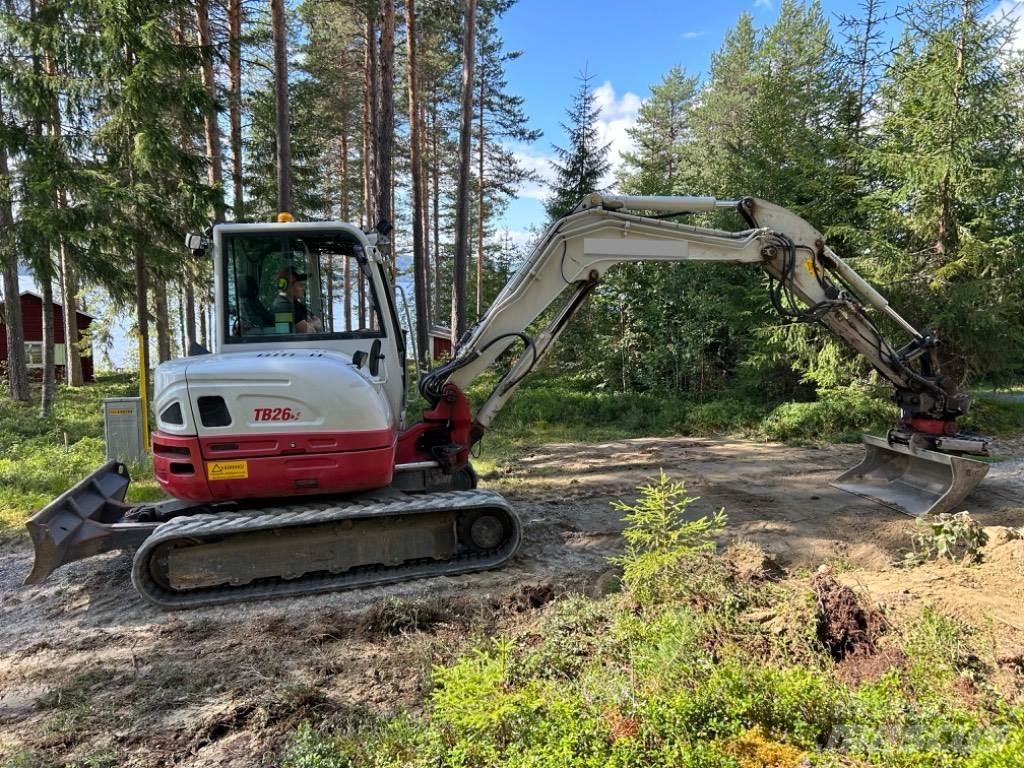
pixel 934 426
pixel 274 465
pixel 292 463
pixel 445 434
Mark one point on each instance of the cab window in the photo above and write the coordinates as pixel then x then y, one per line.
pixel 309 286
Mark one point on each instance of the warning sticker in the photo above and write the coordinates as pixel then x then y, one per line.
pixel 227 470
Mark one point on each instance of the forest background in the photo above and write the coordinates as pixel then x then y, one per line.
pixel 896 130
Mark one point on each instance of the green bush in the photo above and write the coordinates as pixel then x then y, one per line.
pixel 841 414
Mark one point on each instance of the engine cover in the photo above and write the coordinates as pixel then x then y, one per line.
pixel 271 424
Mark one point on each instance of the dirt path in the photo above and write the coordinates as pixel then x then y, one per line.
pixel 88 670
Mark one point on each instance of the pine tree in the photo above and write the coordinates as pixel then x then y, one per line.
pixel 462 192
pixel 152 179
pixel 500 120
pixel 662 137
pixel 581 166
pixel 17 373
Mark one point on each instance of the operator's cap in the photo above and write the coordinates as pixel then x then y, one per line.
pixel 290 275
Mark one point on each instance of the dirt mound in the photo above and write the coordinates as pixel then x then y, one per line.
pixel 845 627
pixel 529 598
pixel 858 669
pixel 1005 547
pixel 748 562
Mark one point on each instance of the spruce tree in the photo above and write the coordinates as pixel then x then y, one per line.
pixel 947 169
pixel 580 166
pixel 662 138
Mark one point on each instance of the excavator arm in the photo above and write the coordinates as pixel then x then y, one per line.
pixel 807 282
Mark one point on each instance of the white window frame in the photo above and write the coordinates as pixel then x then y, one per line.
pixel 29 346
pixel 59 355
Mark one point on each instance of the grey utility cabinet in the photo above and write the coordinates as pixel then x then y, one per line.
pixel 122 428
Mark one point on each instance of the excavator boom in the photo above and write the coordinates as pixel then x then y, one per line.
pixel 918 468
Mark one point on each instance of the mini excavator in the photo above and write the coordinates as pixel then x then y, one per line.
pixel 286 453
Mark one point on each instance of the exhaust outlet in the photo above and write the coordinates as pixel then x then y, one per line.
pixel 912 480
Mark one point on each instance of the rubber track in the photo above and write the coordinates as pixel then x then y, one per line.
pixel 225 524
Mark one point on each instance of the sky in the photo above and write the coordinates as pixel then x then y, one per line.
pixel 626 47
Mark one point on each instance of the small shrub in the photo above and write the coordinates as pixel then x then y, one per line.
pixel 955 537
pixel 661 544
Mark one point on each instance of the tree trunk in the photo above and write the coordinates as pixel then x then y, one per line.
pixel 67 281
pixel 480 205
pixel 17 373
pixel 419 256
pixel 462 193
pixel 69 294
pixel 435 162
pixel 345 212
pixel 235 105
pixel 190 314
pixel 204 337
pixel 182 340
pixel 49 383
pixel 386 114
pixel 284 151
pixel 215 169
pixel 369 121
pixel 425 214
pixel 163 321
pixel 142 312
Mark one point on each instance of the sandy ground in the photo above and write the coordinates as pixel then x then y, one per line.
pixel 90 672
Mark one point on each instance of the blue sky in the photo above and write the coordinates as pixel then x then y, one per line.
pixel 626 46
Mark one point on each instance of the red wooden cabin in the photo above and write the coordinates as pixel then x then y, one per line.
pixel 32 322
pixel 440 343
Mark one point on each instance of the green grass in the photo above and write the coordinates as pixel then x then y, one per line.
pixel 550 408
pixel 42 458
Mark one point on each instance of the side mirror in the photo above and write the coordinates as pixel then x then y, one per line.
pixel 375 358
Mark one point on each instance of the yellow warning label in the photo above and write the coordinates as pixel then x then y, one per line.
pixel 227 470
pixel 121 411
pixel 811 267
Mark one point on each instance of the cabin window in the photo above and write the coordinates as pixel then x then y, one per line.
pixel 295 286
pixel 34 354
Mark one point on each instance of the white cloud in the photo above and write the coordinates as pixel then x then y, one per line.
pixel 764 4
pixel 1012 10
pixel 538 163
pixel 617 115
pixel 693 34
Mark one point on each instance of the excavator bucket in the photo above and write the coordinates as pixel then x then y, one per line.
pixel 84 521
pixel 914 480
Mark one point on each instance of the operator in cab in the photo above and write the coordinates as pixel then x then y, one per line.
pixel 291 315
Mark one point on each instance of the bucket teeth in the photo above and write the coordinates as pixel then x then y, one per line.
pixel 914 480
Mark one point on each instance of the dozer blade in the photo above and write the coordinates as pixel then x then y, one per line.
pixel 914 480
pixel 84 521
